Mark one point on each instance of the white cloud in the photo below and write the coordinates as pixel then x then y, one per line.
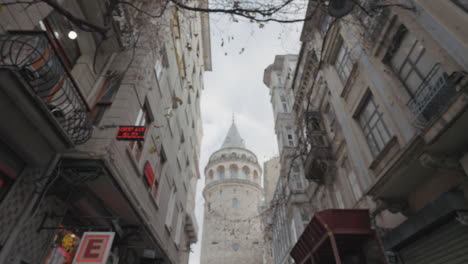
pixel 235 85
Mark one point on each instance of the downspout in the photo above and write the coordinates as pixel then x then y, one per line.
pixel 26 215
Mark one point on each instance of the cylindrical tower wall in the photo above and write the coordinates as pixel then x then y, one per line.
pixel 231 228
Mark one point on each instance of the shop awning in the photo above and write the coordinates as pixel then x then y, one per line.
pixel 331 235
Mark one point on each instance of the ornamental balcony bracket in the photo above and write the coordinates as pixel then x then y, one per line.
pixel 320 160
pixel 39 63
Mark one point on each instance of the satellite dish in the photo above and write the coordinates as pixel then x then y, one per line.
pixel 340 8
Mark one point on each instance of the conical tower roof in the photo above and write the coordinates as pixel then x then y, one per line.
pixel 233 138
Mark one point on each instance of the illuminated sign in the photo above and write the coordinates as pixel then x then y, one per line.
pixel 94 248
pixel 149 174
pixel 134 133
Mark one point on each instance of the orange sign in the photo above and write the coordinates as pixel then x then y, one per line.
pixel 94 247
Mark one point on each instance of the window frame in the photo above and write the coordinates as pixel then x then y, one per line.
pixel 369 129
pixel 345 62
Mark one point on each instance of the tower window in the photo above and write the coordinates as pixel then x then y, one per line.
pixel 234 169
pixel 235 203
pixel 235 246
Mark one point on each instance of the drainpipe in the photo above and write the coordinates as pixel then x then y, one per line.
pixel 26 215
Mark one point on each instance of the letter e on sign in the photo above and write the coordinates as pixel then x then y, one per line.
pixel 94 247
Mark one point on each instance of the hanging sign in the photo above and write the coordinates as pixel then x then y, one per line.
pixel 94 248
pixel 131 133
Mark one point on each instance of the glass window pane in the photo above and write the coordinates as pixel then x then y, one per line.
pixel 383 132
pixel 416 51
pixel 413 82
pixel 378 140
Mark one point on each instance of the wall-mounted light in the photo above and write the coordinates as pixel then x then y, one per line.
pixel 72 35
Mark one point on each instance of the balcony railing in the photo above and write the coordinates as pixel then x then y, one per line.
pixel 39 63
pixel 432 95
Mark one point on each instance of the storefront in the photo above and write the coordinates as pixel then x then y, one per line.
pixel 338 236
pixel 83 198
pixel 438 234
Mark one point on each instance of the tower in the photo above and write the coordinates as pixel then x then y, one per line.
pixel 231 227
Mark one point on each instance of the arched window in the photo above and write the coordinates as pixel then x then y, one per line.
pixel 235 203
pixel 255 176
pixel 234 169
pixel 233 155
pixel 245 173
pixel 244 156
pixel 210 175
pixel 235 246
pixel 221 173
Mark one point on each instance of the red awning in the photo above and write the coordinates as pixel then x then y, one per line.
pixel 331 234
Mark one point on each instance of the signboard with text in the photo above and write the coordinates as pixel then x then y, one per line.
pixel 94 248
pixel 131 133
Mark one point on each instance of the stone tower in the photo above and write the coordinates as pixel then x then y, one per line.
pixel 231 227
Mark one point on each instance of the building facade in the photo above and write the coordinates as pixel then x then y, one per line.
pixel 380 106
pixel 289 206
pixel 69 80
pixel 233 194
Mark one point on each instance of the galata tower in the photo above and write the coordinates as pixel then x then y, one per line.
pixel 231 227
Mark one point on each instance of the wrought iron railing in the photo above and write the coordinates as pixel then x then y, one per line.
pixel 432 96
pixel 40 64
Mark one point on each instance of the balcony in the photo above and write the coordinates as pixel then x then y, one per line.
pixel 433 95
pixel 319 161
pixel 34 57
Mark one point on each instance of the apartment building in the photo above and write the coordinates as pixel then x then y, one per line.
pixel 289 206
pixel 380 103
pixel 101 129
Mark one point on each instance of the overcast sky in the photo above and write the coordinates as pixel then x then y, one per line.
pixel 240 53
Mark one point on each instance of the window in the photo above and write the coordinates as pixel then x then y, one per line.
pixel 463 4
pixel 284 103
pixel 352 179
pixel 344 63
pixel 221 173
pixel 234 171
pixel 416 68
pixel 210 175
pixel 171 207
pixel 235 246
pixel 105 98
pixel 59 27
pixel 235 203
pixel 245 172
pixel 255 176
pixel 296 177
pixel 180 218
pixel 339 197
pixel 158 69
pixel 141 120
pixel 373 126
pixel 159 170
pixel 289 136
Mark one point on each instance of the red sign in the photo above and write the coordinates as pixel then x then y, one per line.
pixel 134 133
pixel 94 247
pixel 149 174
